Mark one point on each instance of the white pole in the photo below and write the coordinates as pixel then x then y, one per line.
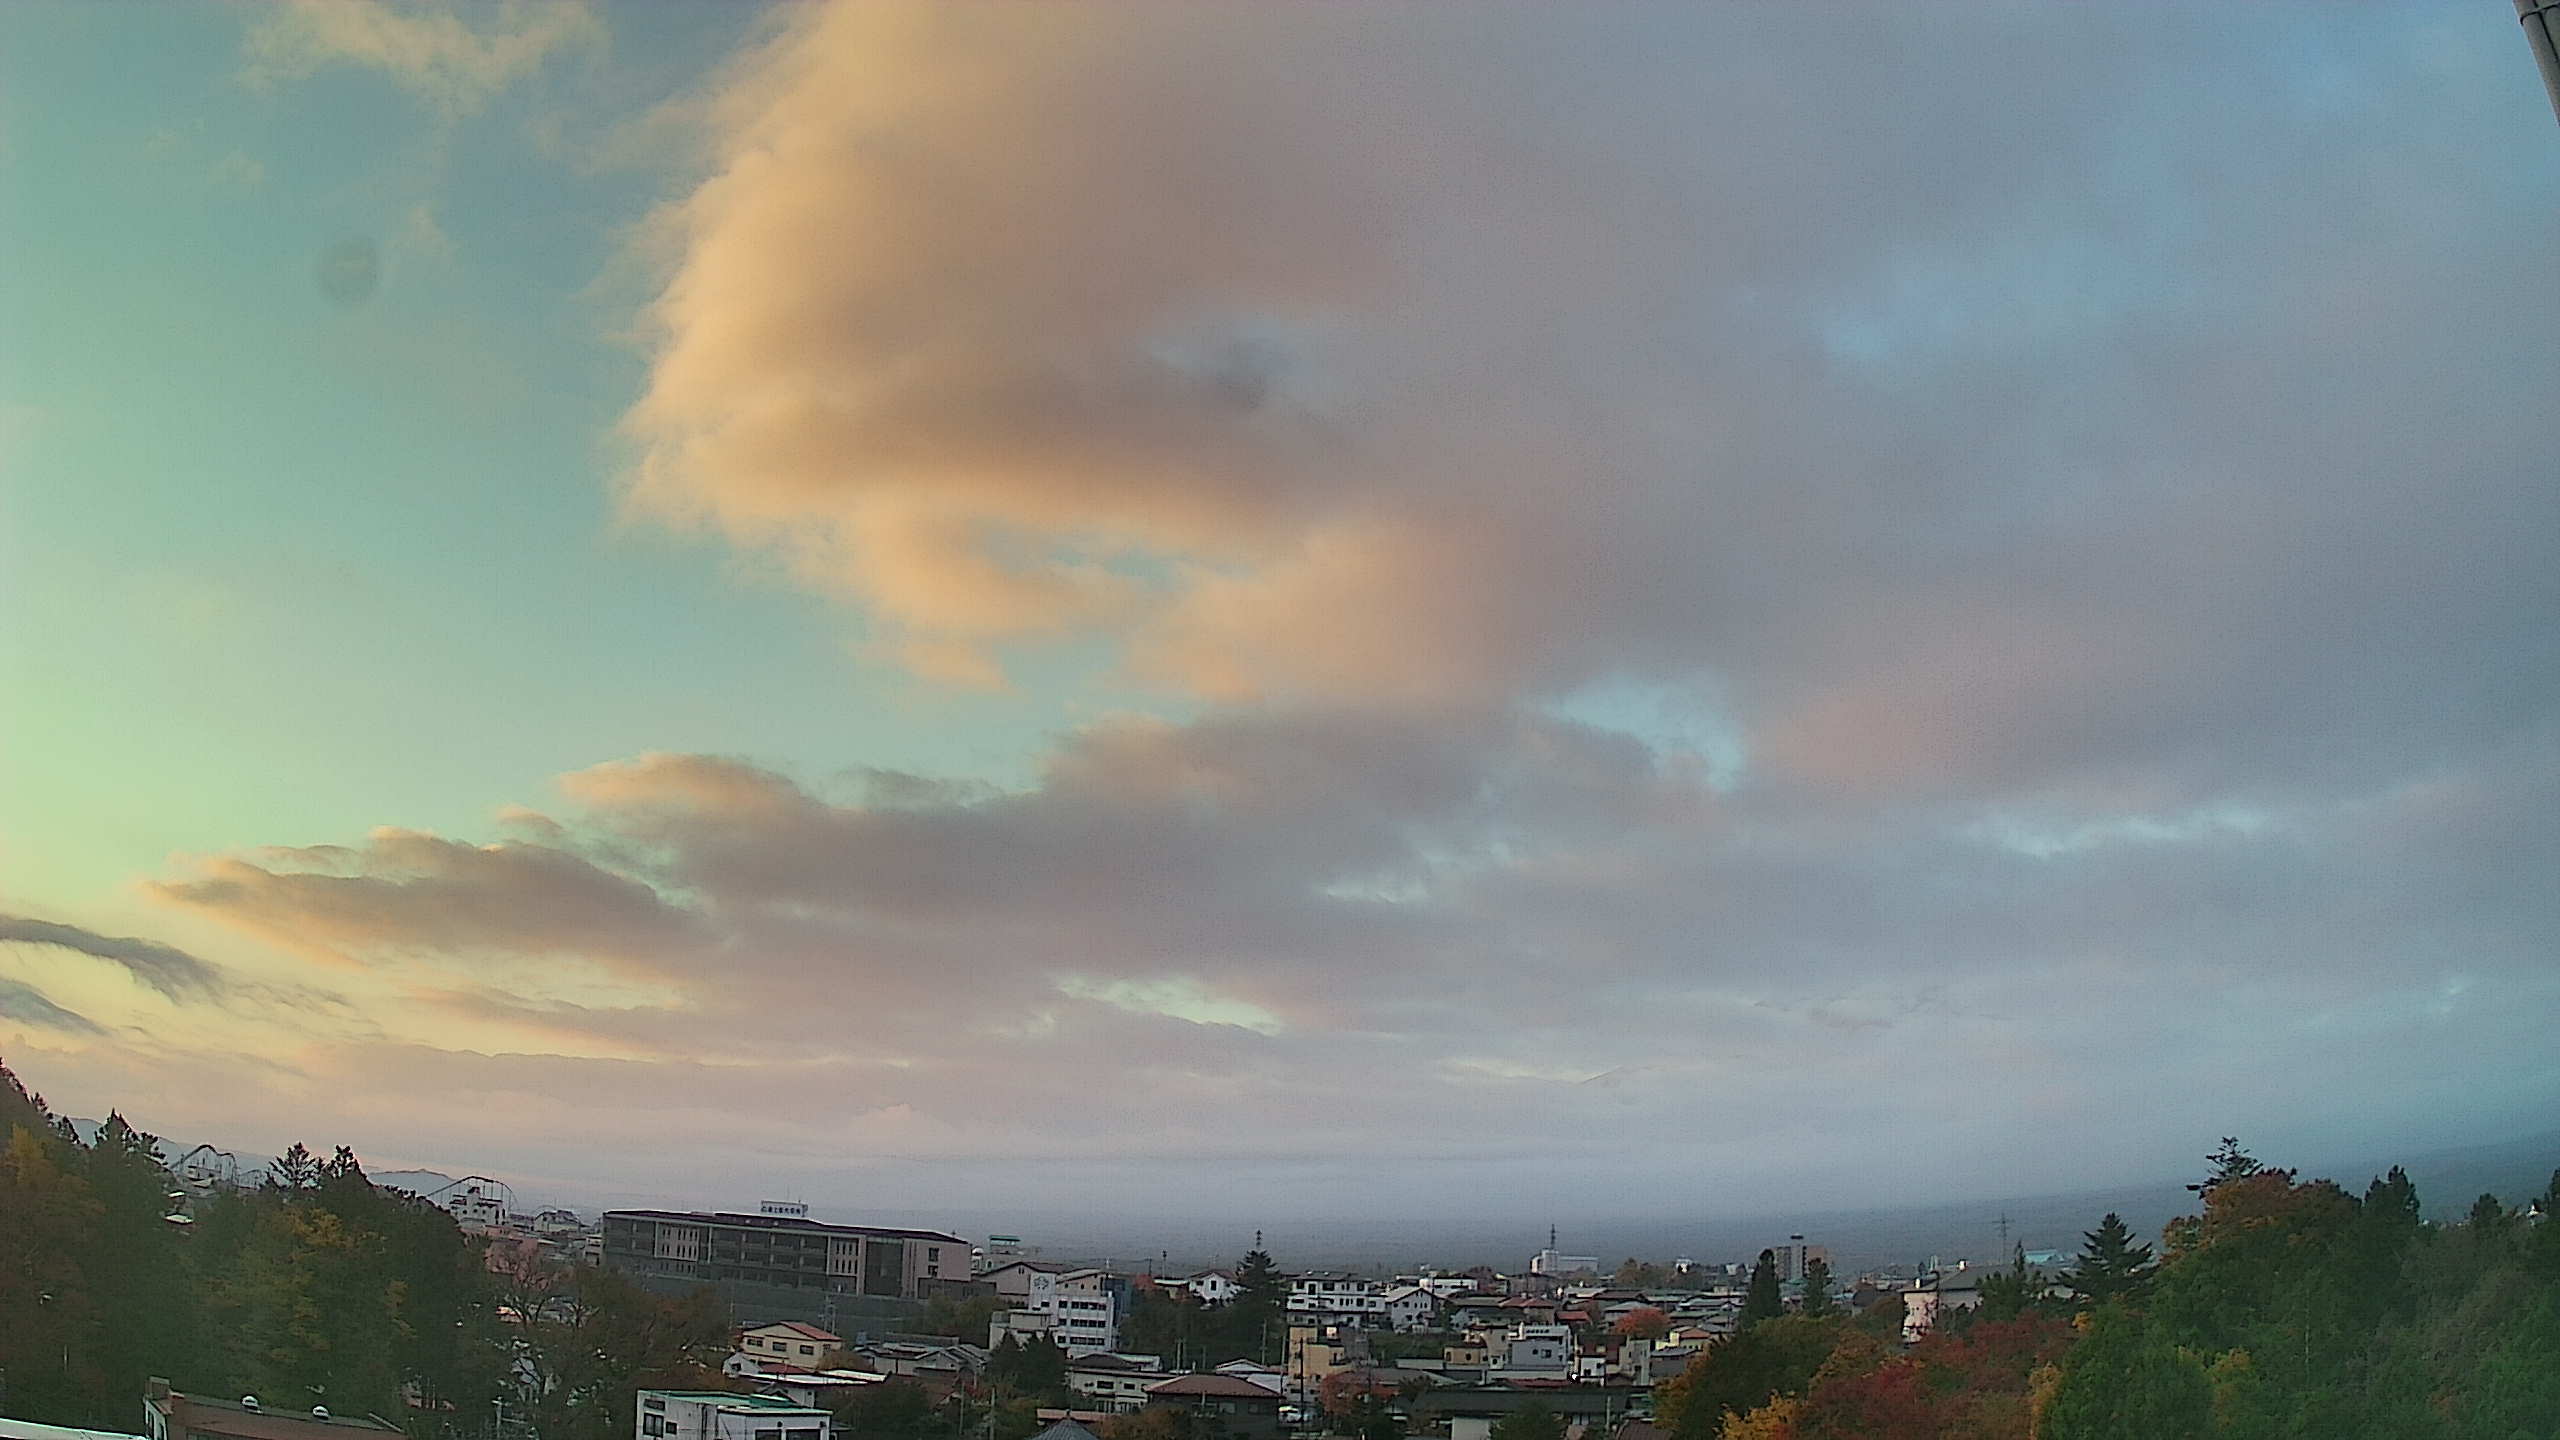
pixel 2541 21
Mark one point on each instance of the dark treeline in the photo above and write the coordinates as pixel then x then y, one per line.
pixel 318 1288
pixel 2284 1310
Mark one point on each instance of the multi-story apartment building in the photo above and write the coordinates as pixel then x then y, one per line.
pixel 1330 1295
pixel 1084 1322
pixel 786 1252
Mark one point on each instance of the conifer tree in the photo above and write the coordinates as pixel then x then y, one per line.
pixel 1818 1299
pixel 1762 1301
pixel 2113 1265
pixel 295 1169
pixel 2230 1163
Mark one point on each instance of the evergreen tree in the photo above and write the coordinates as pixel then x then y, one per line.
pixel 135 1269
pixel 295 1169
pixel 2112 1266
pixel 2487 1215
pixel 1261 1304
pixel 2007 1294
pixel 2392 1200
pixel 1818 1299
pixel 1762 1300
pixel 2230 1163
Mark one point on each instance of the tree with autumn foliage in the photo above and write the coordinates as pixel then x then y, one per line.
pixel 1645 1322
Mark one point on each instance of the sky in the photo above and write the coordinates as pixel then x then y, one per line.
pixel 1256 612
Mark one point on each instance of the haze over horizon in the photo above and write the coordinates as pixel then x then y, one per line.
pixel 1218 611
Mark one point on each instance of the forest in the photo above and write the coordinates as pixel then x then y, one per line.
pixel 2286 1309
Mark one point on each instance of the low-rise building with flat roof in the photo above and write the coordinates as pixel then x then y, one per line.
pixel 719 1415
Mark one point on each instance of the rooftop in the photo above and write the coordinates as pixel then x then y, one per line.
pixel 782 1222
pixel 205 1415
pixel 728 1400
pixel 1223 1387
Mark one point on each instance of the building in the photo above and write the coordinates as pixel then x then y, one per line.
pixel 1473 1410
pixel 1115 1384
pixel 1212 1287
pixel 1794 1256
pixel 1084 1321
pixel 1552 1261
pixel 1025 1283
pixel 477 1202
pixel 1224 1404
pixel 30 1430
pixel 786 1345
pixel 1324 1295
pixel 1275 1381
pixel 815 1391
pixel 782 1252
pixel 1410 1307
pixel 171 1415
pixel 718 1415
pixel 1534 1352
pixel 1936 1293
pixel 1069 1428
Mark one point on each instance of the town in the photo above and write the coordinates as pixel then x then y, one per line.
pixel 300 1300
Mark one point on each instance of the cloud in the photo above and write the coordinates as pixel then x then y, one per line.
pixel 1799 603
pixel 165 968
pixel 456 58
pixel 1390 936
pixel 28 1005
pixel 1303 357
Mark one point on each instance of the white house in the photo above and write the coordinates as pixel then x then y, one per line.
pixel 1115 1384
pixel 1410 1307
pixel 1212 1287
pixel 1275 1381
pixel 478 1204
pixel 1531 1351
pixel 717 1415
pixel 1936 1293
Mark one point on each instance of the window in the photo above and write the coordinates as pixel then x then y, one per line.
pixel 652 1425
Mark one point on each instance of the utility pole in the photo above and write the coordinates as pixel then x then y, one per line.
pixel 2541 21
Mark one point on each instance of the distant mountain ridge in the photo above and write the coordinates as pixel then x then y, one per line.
pixel 1859 1239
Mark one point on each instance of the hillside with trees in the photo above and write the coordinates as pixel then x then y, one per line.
pixel 2284 1309
pixel 319 1287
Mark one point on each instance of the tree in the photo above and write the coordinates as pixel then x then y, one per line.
pixel 1532 1421
pixel 1642 1323
pixel 1818 1299
pixel 1773 1421
pixel 1761 1301
pixel 295 1169
pixel 132 1261
pixel 1740 1374
pixel 1892 1401
pixel 2487 1216
pixel 2007 1294
pixel 48 1318
pixel 2126 1382
pixel 2230 1163
pixel 1262 1294
pixel 2112 1266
